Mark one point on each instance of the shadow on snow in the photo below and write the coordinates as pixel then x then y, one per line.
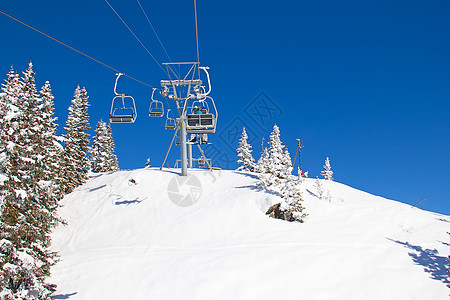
pixel 63 296
pixel 432 263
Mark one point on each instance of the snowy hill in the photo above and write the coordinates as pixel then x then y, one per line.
pixel 126 239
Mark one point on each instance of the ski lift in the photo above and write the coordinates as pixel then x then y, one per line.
pixel 156 107
pixel 170 122
pixel 123 107
pixel 204 122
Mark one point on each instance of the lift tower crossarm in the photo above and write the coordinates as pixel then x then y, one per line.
pixel 180 82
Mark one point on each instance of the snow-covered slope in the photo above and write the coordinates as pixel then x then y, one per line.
pixel 128 240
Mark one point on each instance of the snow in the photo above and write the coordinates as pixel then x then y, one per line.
pixel 129 241
pixel 3 177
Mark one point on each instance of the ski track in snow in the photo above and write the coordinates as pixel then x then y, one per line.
pixel 129 241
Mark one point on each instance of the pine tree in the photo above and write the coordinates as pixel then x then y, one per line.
pixel 245 153
pixel 327 173
pixel 287 163
pixel 9 109
pixel 103 158
pixel 262 166
pixel 113 162
pixel 291 193
pixel 28 208
pixel 280 163
pixel 266 178
pixel 49 147
pixel 76 142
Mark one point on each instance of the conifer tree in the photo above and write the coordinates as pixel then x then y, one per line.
pixel 28 206
pixel 280 163
pixel 327 173
pixel 245 153
pixel 103 158
pixel 291 193
pixel 49 147
pixel 287 163
pixel 266 179
pixel 76 142
pixel 9 108
pixel 113 162
pixel 262 166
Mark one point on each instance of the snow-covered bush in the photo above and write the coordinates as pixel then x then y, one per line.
pixel 321 192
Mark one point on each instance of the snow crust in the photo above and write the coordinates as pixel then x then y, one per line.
pixel 129 241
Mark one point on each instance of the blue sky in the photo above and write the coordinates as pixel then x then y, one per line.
pixel 366 83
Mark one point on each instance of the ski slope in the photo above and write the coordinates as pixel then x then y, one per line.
pixel 128 240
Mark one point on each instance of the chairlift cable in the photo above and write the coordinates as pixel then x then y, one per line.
pixel 143 46
pixel 154 31
pixel 72 48
pixel 196 31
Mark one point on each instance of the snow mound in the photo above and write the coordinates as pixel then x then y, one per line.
pixel 127 239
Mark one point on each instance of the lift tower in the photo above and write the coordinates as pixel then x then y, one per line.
pixel 182 89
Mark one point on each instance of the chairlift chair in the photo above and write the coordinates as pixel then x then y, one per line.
pixel 123 107
pixel 204 122
pixel 156 107
pixel 207 120
pixel 170 122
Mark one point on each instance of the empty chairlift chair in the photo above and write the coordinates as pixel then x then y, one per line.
pixel 170 122
pixel 123 107
pixel 156 107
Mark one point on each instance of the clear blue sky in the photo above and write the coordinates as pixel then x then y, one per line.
pixel 366 83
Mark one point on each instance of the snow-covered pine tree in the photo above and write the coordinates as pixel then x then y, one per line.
pixel 76 142
pixel 291 194
pixel 279 162
pixel 327 173
pixel 48 145
pixel 266 179
pixel 28 208
pixel 275 163
pixel 113 163
pixel 287 163
pixel 9 109
pixel 263 162
pixel 245 153
pixel 103 158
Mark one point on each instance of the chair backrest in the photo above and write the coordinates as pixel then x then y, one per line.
pixel 123 109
